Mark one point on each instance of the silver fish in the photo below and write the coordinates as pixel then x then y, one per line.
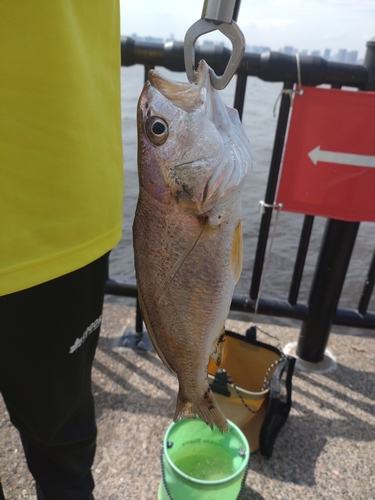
pixel 193 159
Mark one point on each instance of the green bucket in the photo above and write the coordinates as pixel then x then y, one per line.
pixel 201 464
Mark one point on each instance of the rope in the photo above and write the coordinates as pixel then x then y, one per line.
pixel 262 207
pixel 291 93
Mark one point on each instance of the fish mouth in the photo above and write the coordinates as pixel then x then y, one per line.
pixel 185 95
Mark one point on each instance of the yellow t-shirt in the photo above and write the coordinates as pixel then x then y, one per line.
pixel 60 137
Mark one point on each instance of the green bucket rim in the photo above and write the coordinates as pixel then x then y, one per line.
pixel 204 481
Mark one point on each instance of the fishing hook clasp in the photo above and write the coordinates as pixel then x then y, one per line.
pixel 216 15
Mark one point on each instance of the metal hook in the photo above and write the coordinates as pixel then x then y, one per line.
pixel 216 15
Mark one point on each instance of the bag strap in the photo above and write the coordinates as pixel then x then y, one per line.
pixel 280 401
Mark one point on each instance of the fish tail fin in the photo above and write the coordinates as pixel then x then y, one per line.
pixel 206 408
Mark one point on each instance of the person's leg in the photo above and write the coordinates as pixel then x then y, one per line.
pixel 48 338
pixel 2 497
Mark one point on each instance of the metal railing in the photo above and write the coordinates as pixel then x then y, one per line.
pixel 320 312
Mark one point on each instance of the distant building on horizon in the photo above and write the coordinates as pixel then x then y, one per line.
pixel 149 39
pixel 289 50
pixel 343 55
pixel 211 43
pixel 257 49
pixel 327 54
pixel 352 57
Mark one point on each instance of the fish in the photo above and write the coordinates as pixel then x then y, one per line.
pixel 193 160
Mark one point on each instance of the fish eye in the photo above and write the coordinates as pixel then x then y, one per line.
pixel 157 130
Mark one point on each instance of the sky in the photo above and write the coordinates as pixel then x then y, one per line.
pixel 303 24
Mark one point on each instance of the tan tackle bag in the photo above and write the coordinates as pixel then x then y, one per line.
pixel 253 387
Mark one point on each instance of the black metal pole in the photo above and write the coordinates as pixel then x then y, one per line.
pixel 270 67
pixel 236 10
pixel 333 262
pixel 300 259
pixel 332 265
pixel 239 97
pixel 271 190
pixel 369 64
pixel 368 288
pixel 138 319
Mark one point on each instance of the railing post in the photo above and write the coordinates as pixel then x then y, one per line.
pixel 239 97
pixel 333 262
pixel 269 198
pixel 369 64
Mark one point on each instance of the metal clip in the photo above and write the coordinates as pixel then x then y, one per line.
pixel 216 15
pixel 220 11
pixel 263 205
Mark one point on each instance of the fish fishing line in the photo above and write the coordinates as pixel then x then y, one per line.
pixel 262 206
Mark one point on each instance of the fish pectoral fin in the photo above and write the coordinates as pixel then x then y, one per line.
pixel 151 333
pixel 218 348
pixel 206 408
pixel 236 255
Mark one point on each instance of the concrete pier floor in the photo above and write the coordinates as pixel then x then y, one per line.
pixel 325 450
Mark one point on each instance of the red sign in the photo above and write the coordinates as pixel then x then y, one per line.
pixel 329 159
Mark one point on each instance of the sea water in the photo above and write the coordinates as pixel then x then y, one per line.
pixel 260 125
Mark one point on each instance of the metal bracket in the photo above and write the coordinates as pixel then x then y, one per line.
pixel 135 340
pixel 219 10
pixel 216 15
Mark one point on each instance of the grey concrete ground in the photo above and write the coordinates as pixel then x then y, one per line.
pixel 325 450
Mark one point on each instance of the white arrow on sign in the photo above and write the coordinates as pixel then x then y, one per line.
pixel 318 154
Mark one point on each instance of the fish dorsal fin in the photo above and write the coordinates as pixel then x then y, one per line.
pixel 177 266
pixel 151 333
pixel 236 255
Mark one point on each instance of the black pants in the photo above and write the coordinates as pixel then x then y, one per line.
pixel 48 337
